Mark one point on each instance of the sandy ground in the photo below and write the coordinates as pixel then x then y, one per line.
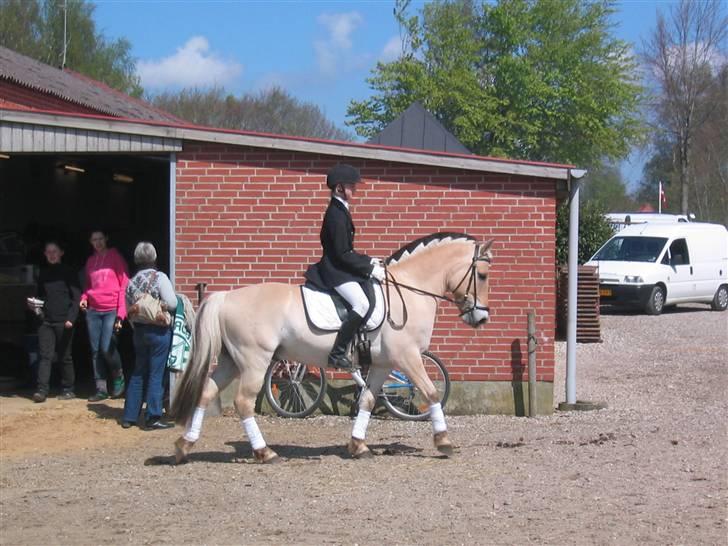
pixel 649 469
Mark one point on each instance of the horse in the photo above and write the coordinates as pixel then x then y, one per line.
pixel 247 327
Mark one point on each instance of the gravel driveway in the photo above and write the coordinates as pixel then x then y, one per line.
pixel 649 469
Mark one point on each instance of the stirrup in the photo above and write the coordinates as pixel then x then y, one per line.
pixel 342 363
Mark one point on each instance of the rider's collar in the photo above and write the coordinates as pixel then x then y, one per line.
pixel 345 203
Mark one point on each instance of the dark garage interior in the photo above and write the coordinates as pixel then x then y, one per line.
pixel 64 197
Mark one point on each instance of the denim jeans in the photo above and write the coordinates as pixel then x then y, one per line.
pixel 104 355
pixel 151 345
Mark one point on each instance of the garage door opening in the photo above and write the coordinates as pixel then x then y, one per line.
pixel 64 197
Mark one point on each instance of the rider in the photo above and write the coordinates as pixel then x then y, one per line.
pixel 342 268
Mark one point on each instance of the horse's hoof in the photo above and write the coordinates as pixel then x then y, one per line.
pixel 266 456
pixel 358 449
pixel 182 448
pixel 443 444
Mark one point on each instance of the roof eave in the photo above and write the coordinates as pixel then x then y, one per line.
pixel 279 142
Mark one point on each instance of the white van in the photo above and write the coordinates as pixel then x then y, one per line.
pixel 652 265
pixel 620 220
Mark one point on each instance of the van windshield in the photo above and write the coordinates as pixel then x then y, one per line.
pixel 631 249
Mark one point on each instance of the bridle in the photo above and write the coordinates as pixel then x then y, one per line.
pixel 466 304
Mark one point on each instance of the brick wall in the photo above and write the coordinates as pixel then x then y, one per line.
pixel 248 215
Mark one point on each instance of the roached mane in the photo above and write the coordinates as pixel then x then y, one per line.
pixel 430 241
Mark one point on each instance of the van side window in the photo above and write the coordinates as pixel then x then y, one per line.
pixel 679 252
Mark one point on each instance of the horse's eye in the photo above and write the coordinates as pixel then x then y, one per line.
pixel 482 276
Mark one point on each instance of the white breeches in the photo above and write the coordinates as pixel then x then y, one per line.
pixel 353 293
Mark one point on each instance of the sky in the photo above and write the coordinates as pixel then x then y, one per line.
pixel 319 51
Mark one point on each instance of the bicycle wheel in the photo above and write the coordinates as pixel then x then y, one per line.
pixel 404 400
pixel 294 389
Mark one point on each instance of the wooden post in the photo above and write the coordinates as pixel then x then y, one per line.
pixel 531 363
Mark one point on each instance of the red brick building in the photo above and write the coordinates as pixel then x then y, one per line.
pixel 232 208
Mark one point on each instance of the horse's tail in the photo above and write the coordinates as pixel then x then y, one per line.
pixel 206 345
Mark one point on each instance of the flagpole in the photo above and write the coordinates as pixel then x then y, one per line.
pixel 659 198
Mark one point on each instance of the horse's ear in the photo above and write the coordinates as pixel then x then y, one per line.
pixel 485 247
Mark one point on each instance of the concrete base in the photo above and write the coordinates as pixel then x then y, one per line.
pixel 466 398
pixel 582 405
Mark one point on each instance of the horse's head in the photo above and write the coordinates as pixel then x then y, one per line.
pixel 470 285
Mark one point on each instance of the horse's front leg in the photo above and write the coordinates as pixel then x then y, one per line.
pixel 415 370
pixel 367 399
pixel 223 375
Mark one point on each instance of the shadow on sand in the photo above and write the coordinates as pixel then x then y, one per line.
pixel 243 453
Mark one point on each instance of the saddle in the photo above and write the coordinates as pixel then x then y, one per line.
pixel 325 309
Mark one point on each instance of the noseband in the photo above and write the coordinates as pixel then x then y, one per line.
pixel 464 304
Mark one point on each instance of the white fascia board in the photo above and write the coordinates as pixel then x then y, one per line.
pixel 277 142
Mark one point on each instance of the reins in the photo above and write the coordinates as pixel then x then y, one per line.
pixel 471 272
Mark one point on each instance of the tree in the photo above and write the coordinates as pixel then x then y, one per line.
pixel 529 79
pixel 594 231
pixel 604 184
pixel 271 111
pixel 682 54
pixel 36 28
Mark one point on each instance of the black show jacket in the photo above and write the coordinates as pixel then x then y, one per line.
pixel 340 263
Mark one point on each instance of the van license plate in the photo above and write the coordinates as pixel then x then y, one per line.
pixel 605 292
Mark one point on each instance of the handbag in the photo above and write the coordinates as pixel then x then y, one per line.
pixel 150 310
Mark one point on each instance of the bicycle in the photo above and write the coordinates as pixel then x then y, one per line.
pixel 294 389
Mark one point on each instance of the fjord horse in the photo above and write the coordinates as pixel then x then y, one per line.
pixel 245 328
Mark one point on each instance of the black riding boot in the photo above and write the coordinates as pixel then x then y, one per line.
pixel 337 356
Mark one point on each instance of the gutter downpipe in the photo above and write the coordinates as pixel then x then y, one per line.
pixel 574 176
pixel 172 215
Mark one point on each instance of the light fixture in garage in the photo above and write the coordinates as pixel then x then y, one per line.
pixel 74 169
pixel 123 178
pixel 4 156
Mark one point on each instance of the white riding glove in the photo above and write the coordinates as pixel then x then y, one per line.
pixel 375 261
pixel 378 272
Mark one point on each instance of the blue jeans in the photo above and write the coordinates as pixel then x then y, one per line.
pixel 100 330
pixel 151 345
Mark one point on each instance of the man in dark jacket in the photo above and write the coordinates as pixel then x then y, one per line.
pixel 342 268
pixel 58 287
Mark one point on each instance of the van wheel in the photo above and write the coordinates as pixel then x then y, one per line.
pixel 720 300
pixel 656 303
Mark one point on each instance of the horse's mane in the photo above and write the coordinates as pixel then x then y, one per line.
pixel 422 243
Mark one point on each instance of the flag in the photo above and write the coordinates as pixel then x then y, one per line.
pixel 663 197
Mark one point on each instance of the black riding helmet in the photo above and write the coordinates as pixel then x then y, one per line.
pixel 342 174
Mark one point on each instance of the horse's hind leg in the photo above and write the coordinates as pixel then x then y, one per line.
pixel 251 382
pixel 357 446
pixel 224 373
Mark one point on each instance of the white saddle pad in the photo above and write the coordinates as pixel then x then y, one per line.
pixel 321 311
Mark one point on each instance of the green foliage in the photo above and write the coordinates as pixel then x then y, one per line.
pixel 270 111
pixel 529 79
pixel 35 28
pixel 594 231
pixel 604 184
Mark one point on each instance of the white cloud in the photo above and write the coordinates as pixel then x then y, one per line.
pixel 193 65
pixel 392 50
pixel 334 51
pixel 340 27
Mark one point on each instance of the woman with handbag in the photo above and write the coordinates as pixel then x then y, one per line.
pixel 150 303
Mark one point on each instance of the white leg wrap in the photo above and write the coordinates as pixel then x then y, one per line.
pixel 360 425
pixel 438 418
pixel 195 426
pixel 253 433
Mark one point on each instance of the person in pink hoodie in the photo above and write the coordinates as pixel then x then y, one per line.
pixel 103 300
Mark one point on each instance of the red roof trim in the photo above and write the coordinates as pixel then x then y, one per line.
pixel 303 139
